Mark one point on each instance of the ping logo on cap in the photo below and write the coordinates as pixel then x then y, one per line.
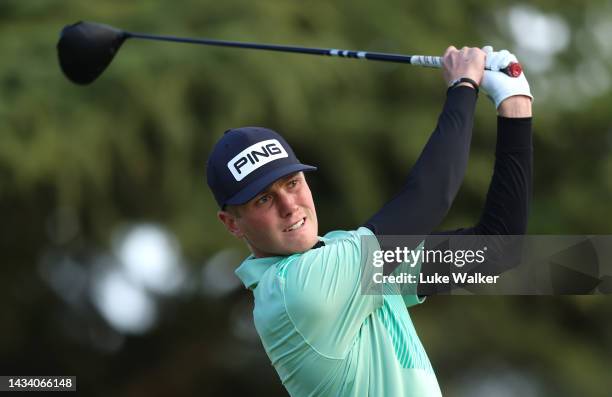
pixel 254 157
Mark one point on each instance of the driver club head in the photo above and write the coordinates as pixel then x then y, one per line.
pixel 85 49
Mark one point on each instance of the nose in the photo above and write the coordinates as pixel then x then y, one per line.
pixel 287 204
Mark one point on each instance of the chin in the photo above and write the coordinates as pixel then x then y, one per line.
pixel 303 245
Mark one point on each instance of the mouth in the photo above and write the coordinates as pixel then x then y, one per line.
pixel 297 225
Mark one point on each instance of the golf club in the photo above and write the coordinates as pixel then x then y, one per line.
pixel 85 49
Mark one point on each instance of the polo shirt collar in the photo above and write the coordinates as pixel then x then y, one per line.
pixel 252 269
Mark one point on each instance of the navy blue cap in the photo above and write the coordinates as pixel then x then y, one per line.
pixel 245 161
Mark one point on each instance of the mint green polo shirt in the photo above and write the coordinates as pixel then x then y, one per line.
pixel 324 336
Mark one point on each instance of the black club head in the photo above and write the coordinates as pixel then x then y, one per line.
pixel 85 49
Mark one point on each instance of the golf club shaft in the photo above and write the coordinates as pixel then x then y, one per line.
pixel 422 60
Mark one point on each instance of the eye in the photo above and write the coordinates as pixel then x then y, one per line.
pixel 293 183
pixel 263 199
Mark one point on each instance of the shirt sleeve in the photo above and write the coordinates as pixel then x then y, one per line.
pixel 506 209
pixel 433 182
pixel 323 294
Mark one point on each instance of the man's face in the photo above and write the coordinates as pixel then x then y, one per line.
pixel 281 220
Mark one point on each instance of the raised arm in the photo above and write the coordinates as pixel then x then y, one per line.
pixel 433 182
pixel 506 208
pixel 507 204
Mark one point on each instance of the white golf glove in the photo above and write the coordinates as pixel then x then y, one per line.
pixel 500 86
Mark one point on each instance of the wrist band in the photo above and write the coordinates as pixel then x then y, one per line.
pixel 456 82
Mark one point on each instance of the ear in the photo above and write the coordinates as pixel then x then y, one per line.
pixel 231 223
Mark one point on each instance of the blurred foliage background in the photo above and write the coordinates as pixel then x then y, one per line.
pixel 113 266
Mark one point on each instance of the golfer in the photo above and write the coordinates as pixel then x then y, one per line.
pixel 322 335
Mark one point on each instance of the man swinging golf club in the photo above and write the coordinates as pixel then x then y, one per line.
pixel 322 335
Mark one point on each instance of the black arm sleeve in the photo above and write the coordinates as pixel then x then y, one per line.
pixel 506 208
pixel 434 180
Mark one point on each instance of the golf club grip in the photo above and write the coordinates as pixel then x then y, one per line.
pixel 514 69
pixel 427 61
